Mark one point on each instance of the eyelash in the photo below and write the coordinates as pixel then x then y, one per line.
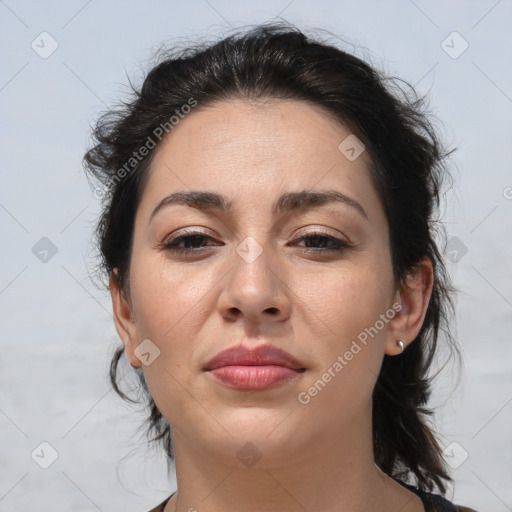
pixel 172 245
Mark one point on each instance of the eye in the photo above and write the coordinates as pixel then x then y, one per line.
pixel 191 243
pixel 194 243
pixel 315 239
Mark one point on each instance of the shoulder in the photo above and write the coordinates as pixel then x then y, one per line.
pixel 160 508
pixel 435 502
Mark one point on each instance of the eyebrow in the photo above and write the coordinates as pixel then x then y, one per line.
pixel 286 203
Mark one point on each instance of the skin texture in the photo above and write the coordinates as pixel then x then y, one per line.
pixel 314 456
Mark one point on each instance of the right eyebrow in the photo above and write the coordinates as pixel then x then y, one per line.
pixel 201 200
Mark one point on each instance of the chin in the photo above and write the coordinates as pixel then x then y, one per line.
pixel 258 442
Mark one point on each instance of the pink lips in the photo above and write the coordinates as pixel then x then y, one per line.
pixel 253 369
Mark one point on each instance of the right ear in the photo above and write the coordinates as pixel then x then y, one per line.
pixel 123 319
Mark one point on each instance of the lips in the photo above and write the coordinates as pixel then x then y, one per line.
pixel 253 369
pixel 262 355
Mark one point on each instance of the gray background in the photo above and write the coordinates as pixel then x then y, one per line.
pixel 57 332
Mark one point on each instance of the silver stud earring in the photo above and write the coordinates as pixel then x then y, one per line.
pixel 400 343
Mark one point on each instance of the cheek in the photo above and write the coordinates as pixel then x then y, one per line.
pixel 166 299
pixel 350 305
pixel 166 302
pixel 348 301
pixel 348 358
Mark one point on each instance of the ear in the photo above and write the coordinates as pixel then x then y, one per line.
pixel 123 319
pixel 414 297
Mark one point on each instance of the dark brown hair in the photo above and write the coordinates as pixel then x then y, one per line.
pixel 407 167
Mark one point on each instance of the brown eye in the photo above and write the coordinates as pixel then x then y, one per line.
pixel 321 242
pixel 191 243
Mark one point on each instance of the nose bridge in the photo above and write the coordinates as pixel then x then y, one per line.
pixel 252 266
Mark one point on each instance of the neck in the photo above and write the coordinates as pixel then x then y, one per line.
pixel 332 477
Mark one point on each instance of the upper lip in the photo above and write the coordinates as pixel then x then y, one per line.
pixel 260 355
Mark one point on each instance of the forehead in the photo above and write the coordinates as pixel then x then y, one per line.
pixel 254 150
pixel 286 130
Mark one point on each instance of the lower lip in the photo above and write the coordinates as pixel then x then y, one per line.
pixel 253 378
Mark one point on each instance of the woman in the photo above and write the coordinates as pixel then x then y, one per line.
pixel 268 234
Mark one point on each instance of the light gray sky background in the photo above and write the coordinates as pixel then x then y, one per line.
pixel 56 327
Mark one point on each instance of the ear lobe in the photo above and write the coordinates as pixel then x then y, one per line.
pixel 123 319
pixel 414 297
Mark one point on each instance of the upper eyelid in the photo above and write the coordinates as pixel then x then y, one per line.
pixel 191 231
pixel 302 231
pixel 284 220
pixel 316 231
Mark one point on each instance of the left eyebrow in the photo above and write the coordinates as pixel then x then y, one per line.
pixel 286 203
pixel 293 201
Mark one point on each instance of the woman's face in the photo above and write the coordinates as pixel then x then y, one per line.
pixel 312 278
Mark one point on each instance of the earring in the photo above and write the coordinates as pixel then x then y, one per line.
pixel 400 343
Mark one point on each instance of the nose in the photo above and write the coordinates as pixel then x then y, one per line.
pixel 255 289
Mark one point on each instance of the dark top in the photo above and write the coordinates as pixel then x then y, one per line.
pixel 431 502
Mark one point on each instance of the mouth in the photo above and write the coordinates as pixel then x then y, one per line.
pixel 254 378
pixel 254 369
